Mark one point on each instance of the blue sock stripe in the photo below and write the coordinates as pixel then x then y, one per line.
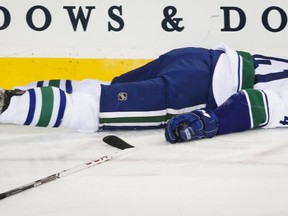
pixel 69 88
pixel 61 108
pixel 40 83
pixel 32 107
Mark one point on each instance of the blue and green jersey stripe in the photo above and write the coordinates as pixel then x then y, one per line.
pixel 258 107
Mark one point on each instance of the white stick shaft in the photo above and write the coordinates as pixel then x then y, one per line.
pixel 63 173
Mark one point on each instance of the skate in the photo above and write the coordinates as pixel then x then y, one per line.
pixel 5 97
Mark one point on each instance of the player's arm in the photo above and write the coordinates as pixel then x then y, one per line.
pixel 242 111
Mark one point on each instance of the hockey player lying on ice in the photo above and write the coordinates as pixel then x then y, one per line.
pixel 208 92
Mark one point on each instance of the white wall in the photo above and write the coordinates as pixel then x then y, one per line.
pixel 142 35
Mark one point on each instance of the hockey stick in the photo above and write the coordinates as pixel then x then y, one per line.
pixel 110 140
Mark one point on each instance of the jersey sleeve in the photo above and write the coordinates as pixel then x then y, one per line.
pixel 252 108
pixel 242 111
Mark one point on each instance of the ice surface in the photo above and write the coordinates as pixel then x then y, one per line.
pixel 236 174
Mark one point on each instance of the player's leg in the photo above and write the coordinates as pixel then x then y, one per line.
pixel 170 62
pixel 182 84
pixel 150 103
pixel 38 106
pixel 88 86
pixel 51 107
pixel 133 105
pixel 65 85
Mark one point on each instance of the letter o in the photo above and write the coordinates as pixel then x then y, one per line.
pixel 283 19
pixel 7 18
pixel 29 20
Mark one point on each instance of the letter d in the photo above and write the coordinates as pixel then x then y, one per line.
pixel 227 19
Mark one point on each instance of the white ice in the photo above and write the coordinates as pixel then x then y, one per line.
pixel 242 174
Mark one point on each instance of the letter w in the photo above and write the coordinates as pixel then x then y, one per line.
pixel 80 16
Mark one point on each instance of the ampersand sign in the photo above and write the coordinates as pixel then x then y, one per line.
pixel 169 23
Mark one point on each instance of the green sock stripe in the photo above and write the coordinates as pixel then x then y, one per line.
pixel 257 107
pixel 248 77
pixel 55 83
pixel 47 106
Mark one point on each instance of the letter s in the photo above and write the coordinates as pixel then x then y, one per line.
pixel 116 18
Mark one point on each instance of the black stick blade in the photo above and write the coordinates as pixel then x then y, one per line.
pixel 2 196
pixel 116 142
